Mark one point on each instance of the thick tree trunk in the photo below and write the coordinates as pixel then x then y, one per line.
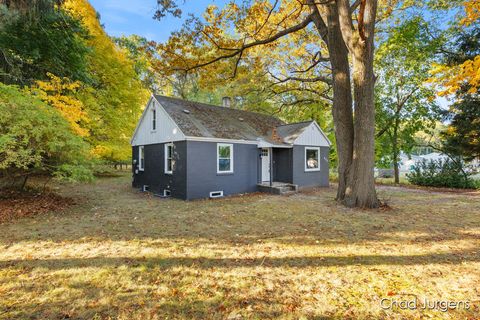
pixel 361 185
pixel 395 152
pixel 342 99
pixel 355 136
pixel 360 190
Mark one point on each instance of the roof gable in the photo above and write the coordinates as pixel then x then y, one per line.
pixel 313 135
pixel 306 133
pixel 290 132
pixel 166 129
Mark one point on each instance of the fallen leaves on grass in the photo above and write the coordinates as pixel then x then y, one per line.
pixel 15 204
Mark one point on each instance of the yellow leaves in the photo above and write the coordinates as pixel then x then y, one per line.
pixel 111 151
pixel 101 150
pixel 58 92
pixel 450 79
pixel 451 130
pixel 81 9
pixel 386 7
pixel 114 105
pixel 472 12
pixel 210 13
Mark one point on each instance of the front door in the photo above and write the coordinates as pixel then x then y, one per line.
pixel 265 165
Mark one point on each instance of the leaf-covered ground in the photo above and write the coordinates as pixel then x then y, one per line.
pixel 15 205
pixel 121 254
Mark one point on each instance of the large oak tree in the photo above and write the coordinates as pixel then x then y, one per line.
pixel 344 30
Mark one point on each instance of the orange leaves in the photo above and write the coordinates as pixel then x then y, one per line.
pixel 472 12
pixel 451 78
pixel 227 29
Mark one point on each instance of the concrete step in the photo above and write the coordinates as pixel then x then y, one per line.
pixel 286 188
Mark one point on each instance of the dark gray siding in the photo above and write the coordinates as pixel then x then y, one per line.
pixel 282 164
pixel 154 174
pixel 310 178
pixel 202 170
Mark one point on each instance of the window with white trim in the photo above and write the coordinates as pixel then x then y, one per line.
pixel 224 158
pixel 154 117
pixel 141 158
pixel 312 159
pixel 169 158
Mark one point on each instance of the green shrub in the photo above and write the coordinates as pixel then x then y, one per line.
pixel 36 139
pixel 441 173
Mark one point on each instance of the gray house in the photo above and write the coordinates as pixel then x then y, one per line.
pixel 192 150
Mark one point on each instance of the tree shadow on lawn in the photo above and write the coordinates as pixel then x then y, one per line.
pixel 124 307
pixel 181 306
pixel 453 257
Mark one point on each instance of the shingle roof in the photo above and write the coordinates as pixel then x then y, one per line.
pixel 290 132
pixel 204 120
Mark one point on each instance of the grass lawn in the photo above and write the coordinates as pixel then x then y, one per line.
pixel 122 254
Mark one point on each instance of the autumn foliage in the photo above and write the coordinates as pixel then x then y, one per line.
pixel 61 56
pixel 451 78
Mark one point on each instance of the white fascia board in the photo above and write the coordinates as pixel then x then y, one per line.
pixel 260 144
pixel 265 144
pixel 141 119
pixel 211 139
pixel 323 133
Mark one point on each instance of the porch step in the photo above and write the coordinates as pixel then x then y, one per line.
pixel 278 188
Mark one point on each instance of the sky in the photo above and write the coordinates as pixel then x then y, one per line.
pixel 126 17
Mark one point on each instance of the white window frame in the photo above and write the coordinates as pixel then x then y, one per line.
pixel 167 145
pixel 305 159
pixel 141 164
pixel 154 118
pixel 230 145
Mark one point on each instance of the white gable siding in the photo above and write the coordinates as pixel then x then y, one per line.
pixel 312 136
pixel 166 131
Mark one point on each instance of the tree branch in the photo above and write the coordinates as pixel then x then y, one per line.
pixel 346 24
pixel 267 18
pixel 355 5
pixel 361 15
pixel 324 79
pixel 244 47
pixel 400 104
pixel 316 60
pixel 318 21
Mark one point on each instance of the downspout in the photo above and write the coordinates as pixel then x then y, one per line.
pixel 270 155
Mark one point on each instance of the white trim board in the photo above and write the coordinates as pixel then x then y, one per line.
pixel 219 140
pixel 165 157
pixel 318 159
pixel 141 165
pixel 230 145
